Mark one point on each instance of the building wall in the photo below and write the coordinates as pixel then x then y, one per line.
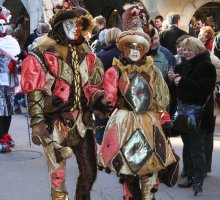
pixel 185 8
pixel 39 9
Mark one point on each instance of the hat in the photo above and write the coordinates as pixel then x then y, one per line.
pixel 135 15
pixel 133 36
pixel 68 11
pixel 5 14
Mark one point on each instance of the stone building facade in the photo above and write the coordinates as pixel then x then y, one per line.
pixel 42 9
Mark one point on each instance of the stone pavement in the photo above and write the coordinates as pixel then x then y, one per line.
pixel 24 173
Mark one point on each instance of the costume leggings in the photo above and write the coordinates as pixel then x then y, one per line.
pixel 86 160
pixel 140 188
pixel 5 122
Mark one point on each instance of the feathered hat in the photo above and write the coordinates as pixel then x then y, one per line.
pixel 5 14
pixel 67 10
pixel 135 15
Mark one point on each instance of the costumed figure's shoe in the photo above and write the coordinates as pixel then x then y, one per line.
pixel 4 147
pixel 197 187
pixel 188 183
pixel 9 140
pixel 59 195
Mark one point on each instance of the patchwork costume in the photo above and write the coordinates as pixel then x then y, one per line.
pixel 134 145
pixel 9 48
pixel 63 81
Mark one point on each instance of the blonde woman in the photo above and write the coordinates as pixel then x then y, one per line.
pixel 195 82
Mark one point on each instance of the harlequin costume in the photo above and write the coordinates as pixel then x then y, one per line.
pixel 9 48
pixel 63 81
pixel 134 145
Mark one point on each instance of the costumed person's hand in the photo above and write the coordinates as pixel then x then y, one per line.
pixel 39 133
pixel 102 107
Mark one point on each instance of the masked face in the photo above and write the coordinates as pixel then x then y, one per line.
pixel 2 26
pixel 72 28
pixel 134 51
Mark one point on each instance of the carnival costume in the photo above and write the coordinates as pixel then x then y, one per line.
pixel 134 145
pixel 63 80
pixel 9 48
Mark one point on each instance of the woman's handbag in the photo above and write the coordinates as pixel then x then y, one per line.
pixel 187 118
pixel 169 175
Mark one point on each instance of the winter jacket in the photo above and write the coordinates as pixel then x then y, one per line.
pixel 198 77
pixel 107 54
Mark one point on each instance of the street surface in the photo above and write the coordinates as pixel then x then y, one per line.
pixel 24 173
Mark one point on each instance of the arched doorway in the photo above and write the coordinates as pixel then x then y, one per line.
pixel 17 9
pixel 208 12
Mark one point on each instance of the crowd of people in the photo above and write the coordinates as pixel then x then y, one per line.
pixel 108 95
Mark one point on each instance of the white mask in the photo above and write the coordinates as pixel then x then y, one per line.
pixel 72 28
pixel 2 26
pixel 134 55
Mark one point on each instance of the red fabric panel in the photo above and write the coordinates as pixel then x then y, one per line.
pixel 90 91
pixel 110 85
pixel 57 177
pixel 51 62
pixel 61 90
pixel 110 145
pixel 33 77
pixel 90 58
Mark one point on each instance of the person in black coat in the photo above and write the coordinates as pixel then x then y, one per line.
pixel 111 51
pixel 168 37
pixel 195 82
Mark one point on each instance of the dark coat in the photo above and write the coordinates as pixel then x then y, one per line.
pixel 197 84
pixel 107 54
pixel 30 39
pixel 168 38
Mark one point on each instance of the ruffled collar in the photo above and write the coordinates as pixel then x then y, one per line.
pixel 131 68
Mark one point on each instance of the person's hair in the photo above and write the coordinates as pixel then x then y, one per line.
pixel 111 35
pixel 181 38
pixel 44 27
pixel 201 19
pixel 173 18
pixel 20 19
pixel 159 17
pixel 194 43
pixel 209 32
pixel 95 30
pixel 151 21
pixel 100 20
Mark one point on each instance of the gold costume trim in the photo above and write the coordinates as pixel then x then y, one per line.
pixel 59 195
pixel 134 68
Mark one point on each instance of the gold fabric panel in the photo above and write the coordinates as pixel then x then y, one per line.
pixel 36 105
pixel 65 72
pixel 96 76
pixel 162 96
